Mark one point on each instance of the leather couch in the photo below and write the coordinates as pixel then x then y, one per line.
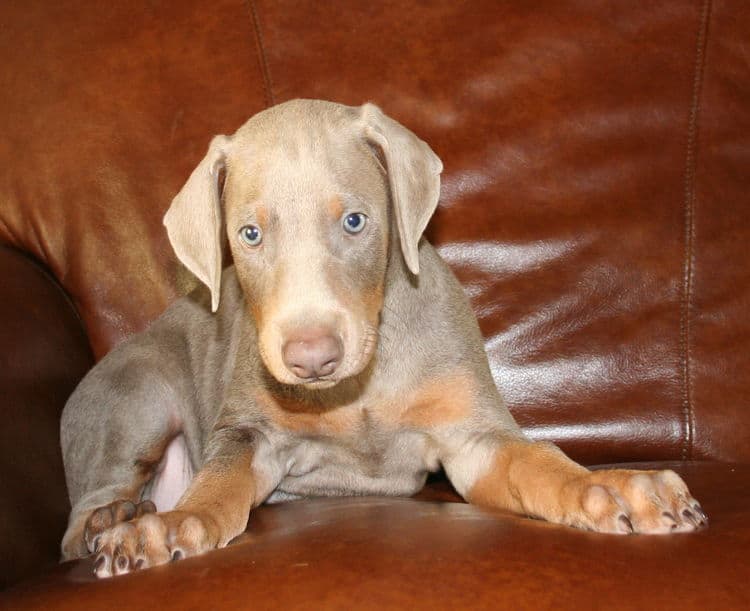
pixel 595 205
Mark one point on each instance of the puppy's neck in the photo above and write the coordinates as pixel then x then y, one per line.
pixel 298 398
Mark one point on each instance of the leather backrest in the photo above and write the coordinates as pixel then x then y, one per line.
pixel 594 199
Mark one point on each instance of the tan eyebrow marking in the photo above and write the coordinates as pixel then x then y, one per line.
pixel 335 207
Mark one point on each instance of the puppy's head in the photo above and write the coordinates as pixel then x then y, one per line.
pixel 309 193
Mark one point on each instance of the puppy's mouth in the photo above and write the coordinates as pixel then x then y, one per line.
pixel 318 383
pixel 315 383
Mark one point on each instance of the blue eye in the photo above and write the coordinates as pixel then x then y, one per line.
pixel 354 222
pixel 251 235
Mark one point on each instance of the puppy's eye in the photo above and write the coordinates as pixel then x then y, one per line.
pixel 251 235
pixel 354 222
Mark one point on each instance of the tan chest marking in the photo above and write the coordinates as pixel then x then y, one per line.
pixel 441 401
pixel 437 402
pixel 306 418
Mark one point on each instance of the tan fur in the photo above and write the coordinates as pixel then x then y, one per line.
pixel 261 215
pixel 335 207
pixel 538 480
pixel 438 402
pixel 526 478
pixel 307 418
pixel 224 492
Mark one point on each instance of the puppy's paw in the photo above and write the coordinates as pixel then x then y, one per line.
pixel 625 502
pixel 107 516
pixel 150 540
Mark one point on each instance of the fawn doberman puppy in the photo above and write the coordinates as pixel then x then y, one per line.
pixel 337 356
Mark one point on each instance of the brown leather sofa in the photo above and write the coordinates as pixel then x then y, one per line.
pixel 595 204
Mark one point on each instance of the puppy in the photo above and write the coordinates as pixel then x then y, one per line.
pixel 338 356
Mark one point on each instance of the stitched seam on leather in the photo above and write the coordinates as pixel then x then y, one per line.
pixel 262 59
pixel 690 171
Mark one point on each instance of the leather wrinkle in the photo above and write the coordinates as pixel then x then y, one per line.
pixel 689 230
pixel 262 59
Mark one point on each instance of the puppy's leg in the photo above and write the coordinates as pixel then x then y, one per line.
pixel 115 498
pixel 538 480
pixel 115 430
pixel 239 474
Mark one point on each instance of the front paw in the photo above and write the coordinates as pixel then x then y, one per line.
pixel 105 517
pixel 150 540
pixel 624 502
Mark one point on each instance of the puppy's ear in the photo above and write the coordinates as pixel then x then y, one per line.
pixel 414 177
pixel 193 221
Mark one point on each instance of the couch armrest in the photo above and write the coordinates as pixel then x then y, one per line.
pixel 44 352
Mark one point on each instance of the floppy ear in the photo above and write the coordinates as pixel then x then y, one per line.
pixel 193 221
pixel 414 177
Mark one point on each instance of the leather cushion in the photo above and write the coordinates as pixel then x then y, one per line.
pixel 374 553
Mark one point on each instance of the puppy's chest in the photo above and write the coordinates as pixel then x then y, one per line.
pixel 363 448
pixel 363 430
pixel 378 443
pixel 369 458
pixel 367 419
pixel 359 439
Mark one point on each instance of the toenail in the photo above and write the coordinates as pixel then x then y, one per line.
pixel 701 514
pixel 99 563
pixel 177 554
pixel 670 517
pixel 625 521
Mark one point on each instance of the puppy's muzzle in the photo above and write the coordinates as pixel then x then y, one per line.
pixel 312 354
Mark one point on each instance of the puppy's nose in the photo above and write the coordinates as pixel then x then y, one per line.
pixel 313 353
